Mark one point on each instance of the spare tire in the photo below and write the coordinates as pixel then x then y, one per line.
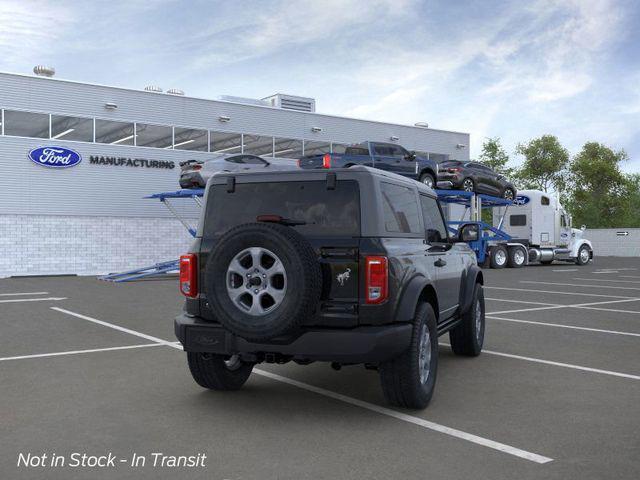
pixel 261 280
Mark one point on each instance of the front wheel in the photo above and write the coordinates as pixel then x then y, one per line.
pixel 468 337
pixel 218 372
pixel 508 194
pixel 584 255
pixel 468 185
pixel 409 380
pixel 428 180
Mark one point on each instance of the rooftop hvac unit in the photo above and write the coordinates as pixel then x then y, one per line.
pixel 244 100
pixel 153 88
pixel 175 91
pixel 43 71
pixel 291 102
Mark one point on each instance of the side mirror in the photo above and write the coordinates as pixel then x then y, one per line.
pixel 410 156
pixel 469 232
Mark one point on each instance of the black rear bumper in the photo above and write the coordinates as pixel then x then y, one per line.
pixel 356 345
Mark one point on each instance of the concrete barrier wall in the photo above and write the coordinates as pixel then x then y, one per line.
pixel 614 242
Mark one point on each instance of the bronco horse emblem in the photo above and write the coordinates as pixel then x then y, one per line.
pixel 343 277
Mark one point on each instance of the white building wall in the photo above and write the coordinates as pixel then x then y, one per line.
pixel 612 242
pixel 55 245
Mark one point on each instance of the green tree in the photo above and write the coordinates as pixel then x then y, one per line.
pixel 494 156
pixel 545 164
pixel 600 195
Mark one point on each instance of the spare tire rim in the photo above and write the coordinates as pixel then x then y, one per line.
pixel 256 281
pixel 424 354
pixel 478 321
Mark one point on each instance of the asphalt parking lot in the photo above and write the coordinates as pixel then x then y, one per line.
pixel 89 366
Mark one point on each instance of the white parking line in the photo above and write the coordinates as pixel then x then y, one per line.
pixel 581 285
pixel 27 293
pixel 606 280
pixel 519 301
pixel 588 306
pixel 528 309
pixel 533 457
pixel 629 276
pixel 559 325
pixel 485 442
pixel 48 299
pixel 556 292
pixel 76 352
pixel 558 364
pixel 566 270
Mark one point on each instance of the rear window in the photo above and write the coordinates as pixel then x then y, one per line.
pixel 326 212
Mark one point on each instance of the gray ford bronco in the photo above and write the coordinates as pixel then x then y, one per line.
pixel 348 266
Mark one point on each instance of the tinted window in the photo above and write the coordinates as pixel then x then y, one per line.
pixel 544 201
pixel 26 124
pixel 383 150
pixel 190 139
pixel 258 145
pixel 246 159
pixel 434 226
pixel 326 212
pixel 518 220
pixel 157 136
pixel 400 209
pixel 71 128
pixel 222 142
pixel 115 133
pixel 357 151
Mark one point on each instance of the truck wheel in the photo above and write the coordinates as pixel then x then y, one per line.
pixel 468 337
pixel 428 180
pixel 499 256
pixel 217 372
pixel 262 280
pixel 584 255
pixel 408 380
pixel 517 257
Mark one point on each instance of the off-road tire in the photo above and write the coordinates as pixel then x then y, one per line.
pixel 465 339
pixel 210 371
pixel 304 280
pixel 495 257
pixel 400 377
pixel 512 262
pixel 426 176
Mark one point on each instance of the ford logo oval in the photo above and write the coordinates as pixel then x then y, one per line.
pixel 521 200
pixel 55 157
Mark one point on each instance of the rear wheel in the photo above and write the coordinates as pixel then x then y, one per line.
pixel 218 372
pixel 428 180
pixel 517 257
pixel 508 194
pixel 409 380
pixel 499 256
pixel 468 337
pixel 468 185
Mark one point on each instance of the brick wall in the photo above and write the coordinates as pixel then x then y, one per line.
pixel 50 245
pixel 611 241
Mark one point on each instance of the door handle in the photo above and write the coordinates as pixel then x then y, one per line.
pixel 440 262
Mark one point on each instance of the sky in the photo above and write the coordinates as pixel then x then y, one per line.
pixel 509 69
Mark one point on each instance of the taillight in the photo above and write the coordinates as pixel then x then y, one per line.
pixel 298 162
pixel 326 160
pixel 454 170
pixel 196 167
pixel 189 275
pixel 376 279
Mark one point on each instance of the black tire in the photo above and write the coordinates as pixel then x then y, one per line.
pixel 580 260
pixel 498 256
pixel 428 180
pixel 546 262
pixel 515 260
pixel 468 185
pixel 509 194
pixel 301 289
pixel 468 337
pixel 217 372
pixel 401 378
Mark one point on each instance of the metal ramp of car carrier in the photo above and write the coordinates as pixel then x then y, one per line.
pixel 170 266
pixel 474 203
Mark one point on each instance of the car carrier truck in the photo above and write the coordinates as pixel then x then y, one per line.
pixel 540 230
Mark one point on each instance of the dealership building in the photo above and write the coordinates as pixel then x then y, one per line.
pixel 121 145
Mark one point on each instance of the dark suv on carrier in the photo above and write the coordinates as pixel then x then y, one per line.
pixel 348 266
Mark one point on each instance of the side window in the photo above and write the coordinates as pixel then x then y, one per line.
pixel 397 151
pixel 435 228
pixel 563 221
pixel 251 160
pixel 544 201
pixel 517 220
pixel 383 150
pixel 400 209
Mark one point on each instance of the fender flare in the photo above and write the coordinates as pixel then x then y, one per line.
pixel 578 244
pixel 471 276
pixel 406 307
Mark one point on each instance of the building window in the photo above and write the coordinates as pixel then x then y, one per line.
pixel 287 148
pixel 115 133
pixel 157 136
pixel 400 209
pixel 71 128
pixel 226 142
pixel 257 145
pixel 338 148
pixel 316 148
pixel 438 157
pixel 26 124
pixel 190 139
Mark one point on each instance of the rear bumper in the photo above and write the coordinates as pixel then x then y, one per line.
pixel 369 344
